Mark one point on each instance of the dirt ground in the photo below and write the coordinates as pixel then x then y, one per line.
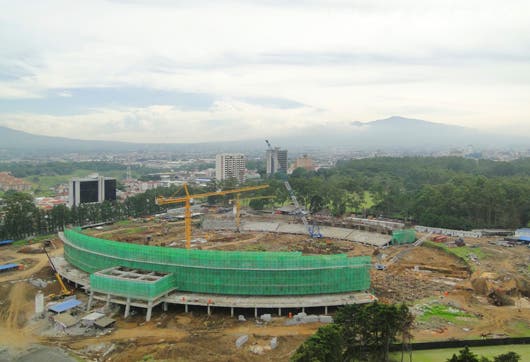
pixel 423 277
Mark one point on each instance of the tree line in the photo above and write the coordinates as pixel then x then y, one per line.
pixel 22 219
pixel 448 192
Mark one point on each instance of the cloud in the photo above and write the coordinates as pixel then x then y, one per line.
pixel 225 120
pixel 219 65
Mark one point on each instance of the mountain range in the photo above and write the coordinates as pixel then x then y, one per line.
pixel 390 134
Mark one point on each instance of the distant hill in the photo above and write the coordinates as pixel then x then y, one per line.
pixel 13 142
pixel 19 140
pixel 398 133
pixel 390 134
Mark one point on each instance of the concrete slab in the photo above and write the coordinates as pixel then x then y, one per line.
pixel 368 238
pixel 292 229
pixel 334 232
pixel 260 226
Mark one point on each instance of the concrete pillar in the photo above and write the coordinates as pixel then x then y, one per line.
pixel 209 310
pixel 149 311
pixel 165 306
pixel 326 310
pixel 303 309
pixel 231 311
pixel 186 307
pixel 39 302
pixel 256 313
pixel 107 304
pixel 127 308
pixel 279 312
pixel 90 300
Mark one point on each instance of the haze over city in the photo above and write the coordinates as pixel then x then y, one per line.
pixel 193 71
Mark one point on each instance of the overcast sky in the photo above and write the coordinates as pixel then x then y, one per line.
pixel 188 71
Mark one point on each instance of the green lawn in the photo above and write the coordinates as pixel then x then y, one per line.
pixel 444 312
pixel 441 355
pixel 519 329
pixel 43 183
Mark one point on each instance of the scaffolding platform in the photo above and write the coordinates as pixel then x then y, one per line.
pixel 210 301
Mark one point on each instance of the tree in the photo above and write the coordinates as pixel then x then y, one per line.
pixel 325 345
pixel 316 204
pixel 21 215
pixel 465 355
pixel 369 330
pixel 507 357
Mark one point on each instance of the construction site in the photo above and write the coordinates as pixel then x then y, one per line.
pixel 247 285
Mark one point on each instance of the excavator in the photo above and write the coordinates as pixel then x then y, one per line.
pixel 65 292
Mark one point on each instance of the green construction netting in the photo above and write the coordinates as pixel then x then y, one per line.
pixel 406 236
pixel 225 272
pixel 131 288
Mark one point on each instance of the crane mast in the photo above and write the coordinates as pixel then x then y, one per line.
pixel 187 203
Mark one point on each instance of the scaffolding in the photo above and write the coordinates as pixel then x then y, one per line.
pixel 405 236
pixel 224 272
pixel 139 284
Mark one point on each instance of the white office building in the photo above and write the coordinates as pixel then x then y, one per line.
pixel 91 189
pixel 230 165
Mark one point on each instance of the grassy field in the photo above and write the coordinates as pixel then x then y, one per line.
pixel 441 355
pixel 45 182
pixel 444 312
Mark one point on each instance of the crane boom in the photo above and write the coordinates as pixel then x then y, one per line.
pixel 160 200
pixel 187 203
pixel 298 210
pixel 65 291
pixel 313 230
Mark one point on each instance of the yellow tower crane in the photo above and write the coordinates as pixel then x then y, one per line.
pixel 160 200
pixel 238 206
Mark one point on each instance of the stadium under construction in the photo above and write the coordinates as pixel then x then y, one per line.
pixel 146 276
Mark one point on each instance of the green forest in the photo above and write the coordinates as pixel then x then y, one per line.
pixel 447 192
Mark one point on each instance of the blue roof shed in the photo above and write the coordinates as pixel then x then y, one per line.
pixel 64 306
pixel 6 267
pixel 523 234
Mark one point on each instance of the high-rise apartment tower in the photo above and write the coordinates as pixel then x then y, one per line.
pixel 230 165
pixel 276 160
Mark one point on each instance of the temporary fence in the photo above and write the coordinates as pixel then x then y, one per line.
pixel 225 272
